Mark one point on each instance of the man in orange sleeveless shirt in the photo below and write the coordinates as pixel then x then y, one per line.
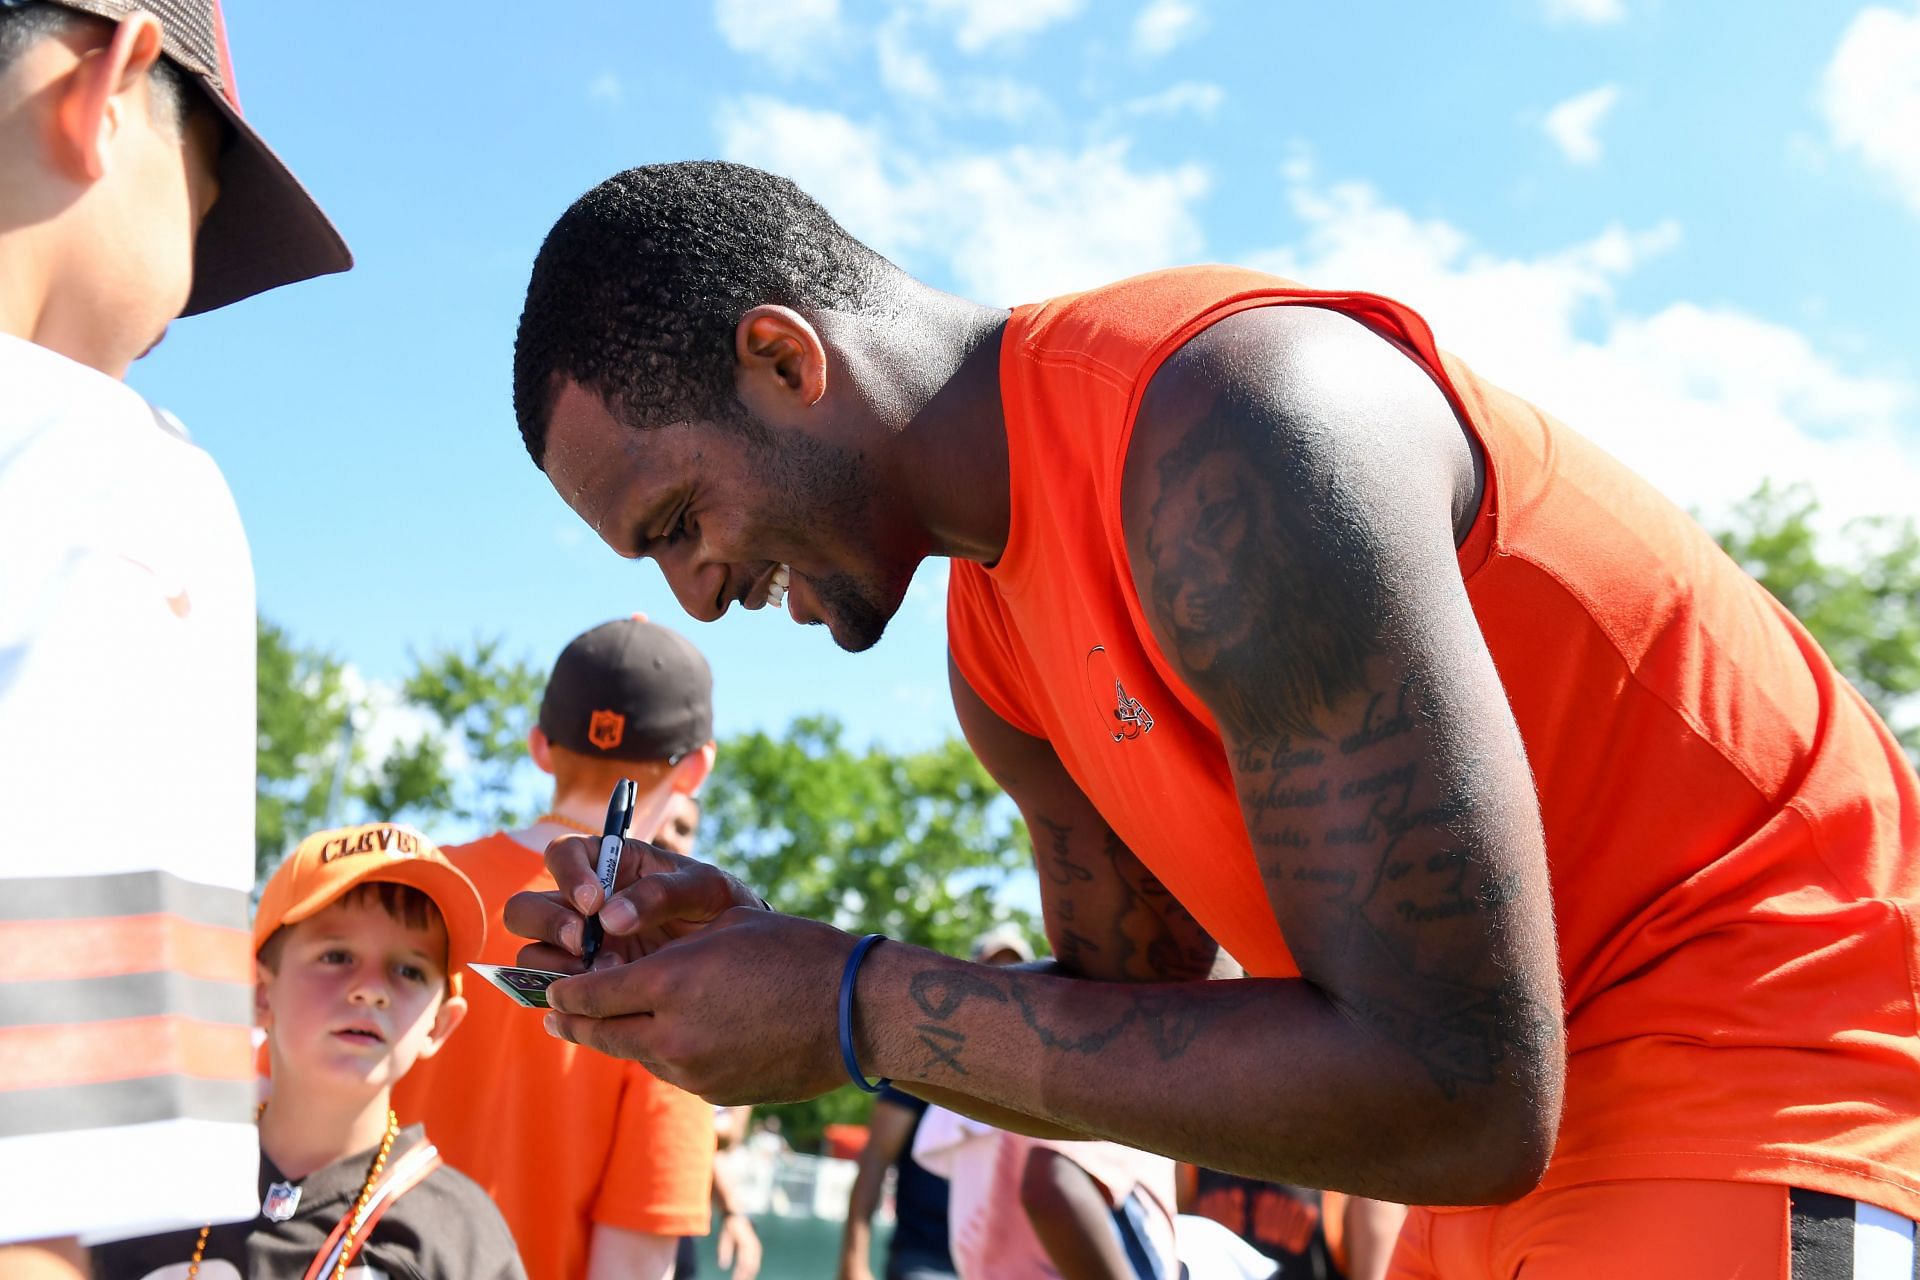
pixel 597 1165
pixel 1573 881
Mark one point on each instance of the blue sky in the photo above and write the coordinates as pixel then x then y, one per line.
pixel 1685 229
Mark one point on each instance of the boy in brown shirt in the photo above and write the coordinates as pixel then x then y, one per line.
pixel 361 938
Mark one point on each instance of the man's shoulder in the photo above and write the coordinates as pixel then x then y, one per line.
pixel 50 396
pixel 75 443
pixel 34 375
pixel 1137 313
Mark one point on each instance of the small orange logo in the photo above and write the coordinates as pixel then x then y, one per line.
pixel 606 729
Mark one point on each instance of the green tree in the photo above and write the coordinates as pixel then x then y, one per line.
pixel 303 705
pixel 469 767
pixel 485 702
pixel 1858 593
pixel 915 846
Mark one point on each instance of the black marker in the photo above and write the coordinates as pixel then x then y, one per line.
pixel 619 818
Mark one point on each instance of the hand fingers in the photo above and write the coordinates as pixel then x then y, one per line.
pixel 693 894
pixel 545 917
pixel 724 1254
pixel 627 1038
pixel 573 862
pixel 618 991
pixel 538 955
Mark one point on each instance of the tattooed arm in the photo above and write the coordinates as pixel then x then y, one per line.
pixel 1106 915
pixel 1292 498
pixel 1292 495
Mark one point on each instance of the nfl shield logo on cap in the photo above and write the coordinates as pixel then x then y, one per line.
pixel 606 728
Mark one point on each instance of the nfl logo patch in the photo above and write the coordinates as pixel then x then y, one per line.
pixel 606 728
pixel 282 1199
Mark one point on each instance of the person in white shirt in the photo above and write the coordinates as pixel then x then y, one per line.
pixel 131 192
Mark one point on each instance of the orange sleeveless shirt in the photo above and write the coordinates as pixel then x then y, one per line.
pixel 1733 837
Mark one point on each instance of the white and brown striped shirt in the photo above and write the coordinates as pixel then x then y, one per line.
pixel 126 815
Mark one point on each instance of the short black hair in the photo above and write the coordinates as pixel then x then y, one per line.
pixel 638 288
pixel 21 25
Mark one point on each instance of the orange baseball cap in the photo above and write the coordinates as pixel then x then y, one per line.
pixel 328 863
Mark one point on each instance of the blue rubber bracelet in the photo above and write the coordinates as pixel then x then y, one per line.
pixel 847 976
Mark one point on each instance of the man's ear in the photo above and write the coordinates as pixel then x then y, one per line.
pixel 262 1008
pixel 102 89
pixel 780 362
pixel 540 747
pixel 692 771
pixel 453 1011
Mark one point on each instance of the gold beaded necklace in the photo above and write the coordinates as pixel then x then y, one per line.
pixel 353 1214
pixel 561 820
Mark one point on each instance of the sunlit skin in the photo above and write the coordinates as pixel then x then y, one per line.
pixel 352 998
pixel 848 485
pixel 104 198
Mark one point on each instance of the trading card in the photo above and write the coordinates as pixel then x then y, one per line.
pixel 523 986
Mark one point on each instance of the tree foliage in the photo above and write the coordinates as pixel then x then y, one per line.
pixel 303 706
pixel 484 703
pixel 461 762
pixel 1858 593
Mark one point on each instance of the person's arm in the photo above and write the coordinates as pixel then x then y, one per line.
pixel 617 1254
pixel 1107 917
pixel 1072 1218
pixel 738 1246
pixel 1371 1229
pixel 888 1128
pixel 1290 500
pixel 44 1260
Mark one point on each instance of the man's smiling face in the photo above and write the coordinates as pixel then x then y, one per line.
pixel 734 513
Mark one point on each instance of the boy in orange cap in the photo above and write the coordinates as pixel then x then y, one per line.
pixel 360 940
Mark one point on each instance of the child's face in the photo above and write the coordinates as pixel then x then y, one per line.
pixel 358 997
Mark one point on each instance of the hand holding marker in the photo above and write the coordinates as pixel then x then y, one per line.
pixel 619 818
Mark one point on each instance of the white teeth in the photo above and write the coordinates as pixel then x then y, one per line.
pixel 777 588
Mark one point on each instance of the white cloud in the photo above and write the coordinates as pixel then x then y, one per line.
pixel 606 88
pixel 904 70
pixel 1704 401
pixel 1200 98
pixel 909 75
pixel 1574 125
pixel 1008 226
pixel 790 37
pixel 1593 12
pixel 1002 98
pixel 1870 96
pixel 1164 24
pixel 980 23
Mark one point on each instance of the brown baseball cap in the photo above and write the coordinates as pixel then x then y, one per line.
pixel 629 690
pixel 264 230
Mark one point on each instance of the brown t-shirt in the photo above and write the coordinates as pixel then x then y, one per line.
pixel 444 1228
